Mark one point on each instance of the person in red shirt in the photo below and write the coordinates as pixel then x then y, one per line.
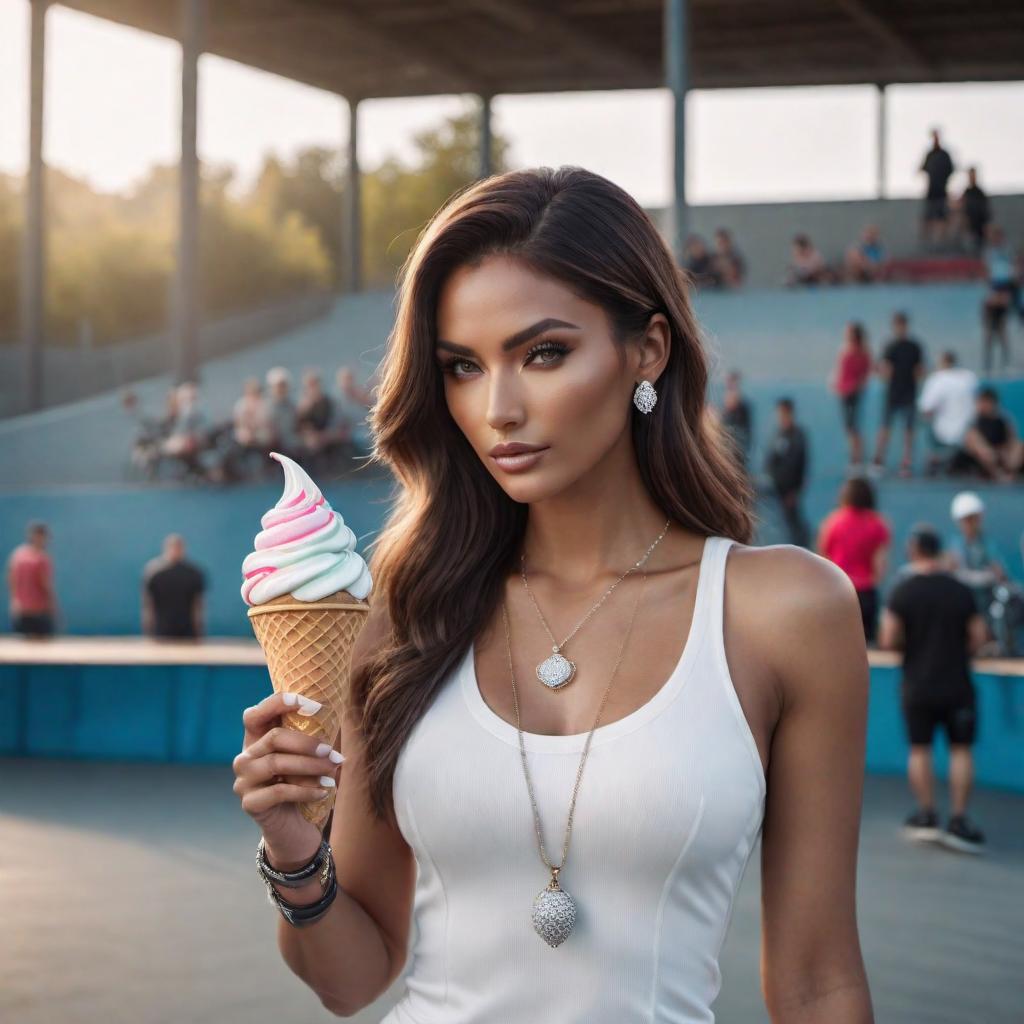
pixel 857 539
pixel 849 381
pixel 30 584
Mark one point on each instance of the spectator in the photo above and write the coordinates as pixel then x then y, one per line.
pixel 901 367
pixel 938 168
pixel 992 442
pixel 974 558
pixel 313 418
pixel 284 434
pixel 352 404
pixel 947 403
pixel 806 264
pixel 857 538
pixel 849 381
pixel 172 593
pixel 786 465
pixel 1003 294
pixel 975 210
pixel 187 433
pixel 729 261
pixel 33 603
pixel 931 616
pixel 736 417
pixel 864 259
pixel 701 264
pixel 251 432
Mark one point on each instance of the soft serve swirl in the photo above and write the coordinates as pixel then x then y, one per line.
pixel 304 549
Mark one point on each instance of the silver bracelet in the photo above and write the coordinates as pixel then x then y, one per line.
pixel 291 879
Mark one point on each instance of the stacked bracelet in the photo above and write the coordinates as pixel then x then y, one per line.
pixel 297 914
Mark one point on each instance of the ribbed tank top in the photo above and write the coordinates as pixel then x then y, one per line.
pixel 669 809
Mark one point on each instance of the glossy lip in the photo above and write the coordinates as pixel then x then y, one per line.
pixel 515 448
pixel 525 460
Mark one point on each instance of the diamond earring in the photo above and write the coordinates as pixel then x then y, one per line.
pixel 645 396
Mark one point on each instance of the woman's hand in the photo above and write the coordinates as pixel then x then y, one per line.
pixel 277 769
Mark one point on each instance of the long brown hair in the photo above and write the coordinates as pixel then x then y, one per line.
pixel 453 535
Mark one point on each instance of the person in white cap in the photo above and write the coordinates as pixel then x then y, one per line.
pixel 974 558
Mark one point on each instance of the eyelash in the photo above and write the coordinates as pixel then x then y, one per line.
pixel 448 366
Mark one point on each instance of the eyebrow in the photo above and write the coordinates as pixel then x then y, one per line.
pixel 517 339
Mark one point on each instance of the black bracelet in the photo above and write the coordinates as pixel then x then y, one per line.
pixel 291 879
pixel 300 916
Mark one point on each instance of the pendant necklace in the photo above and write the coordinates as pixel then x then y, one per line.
pixel 554 910
pixel 555 671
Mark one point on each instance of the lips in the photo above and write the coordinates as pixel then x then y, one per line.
pixel 515 448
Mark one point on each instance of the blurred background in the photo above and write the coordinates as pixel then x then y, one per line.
pixel 203 208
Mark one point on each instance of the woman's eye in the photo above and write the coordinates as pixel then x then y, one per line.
pixel 555 349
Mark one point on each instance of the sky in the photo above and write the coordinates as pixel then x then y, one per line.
pixel 751 145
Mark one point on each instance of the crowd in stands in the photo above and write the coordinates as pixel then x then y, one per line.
pixel 720 268
pixel 324 432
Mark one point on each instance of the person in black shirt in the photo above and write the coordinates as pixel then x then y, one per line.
pixel 736 416
pixel 902 366
pixel 172 593
pixel 938 166
pixel 975 211
pixel 786 464
pixel 932 617
pixel 991 441
pixel 701 264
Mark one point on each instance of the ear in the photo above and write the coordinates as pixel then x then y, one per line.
pixel 655 345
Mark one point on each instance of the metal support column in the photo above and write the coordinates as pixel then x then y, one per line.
pixel 880 182
pixel 676 40
pixel 485 136
pixel 33 261
pixel 184 308
pixel 353 244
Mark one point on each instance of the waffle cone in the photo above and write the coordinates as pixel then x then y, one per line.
pixel 308 645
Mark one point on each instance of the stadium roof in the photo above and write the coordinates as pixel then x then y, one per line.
pixel 388 48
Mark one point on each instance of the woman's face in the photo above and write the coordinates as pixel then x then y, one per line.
pixel 527 360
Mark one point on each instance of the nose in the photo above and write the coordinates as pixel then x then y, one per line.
pixel 504 402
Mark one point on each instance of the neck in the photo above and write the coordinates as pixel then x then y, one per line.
pixel 598 527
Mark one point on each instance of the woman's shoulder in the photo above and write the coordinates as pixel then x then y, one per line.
pixel 787 597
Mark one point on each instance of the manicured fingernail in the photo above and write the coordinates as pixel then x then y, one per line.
pixel 325 750
pixel 308 707
pixel 336 756
pixel 322 750
pixel 290 698
pixel 326 780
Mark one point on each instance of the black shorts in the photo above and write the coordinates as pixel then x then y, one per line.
pixel 957 717
pixel 34 624
pixel 850 405
pixel 908 410
pixel 936 208
pixel 868 600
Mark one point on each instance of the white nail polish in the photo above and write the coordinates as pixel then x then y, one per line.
pixel 289 699
pixel 323 750
pixel 308 707
pixel 336 756
pixel 326 781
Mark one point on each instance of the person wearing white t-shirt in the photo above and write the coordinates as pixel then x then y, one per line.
pixel 947 403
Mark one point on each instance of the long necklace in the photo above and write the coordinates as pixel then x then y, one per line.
pixel 554 910
pixel 555 671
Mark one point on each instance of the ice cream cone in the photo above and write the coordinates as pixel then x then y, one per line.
pixel 308 645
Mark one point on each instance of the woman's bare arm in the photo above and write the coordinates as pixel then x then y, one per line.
pixel 811 966
pixel 351 956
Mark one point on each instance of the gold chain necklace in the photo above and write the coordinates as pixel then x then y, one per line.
pixel 554 910
pixel 555 671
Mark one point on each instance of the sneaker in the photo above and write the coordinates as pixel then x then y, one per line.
pixel 962 836
pixel 922 826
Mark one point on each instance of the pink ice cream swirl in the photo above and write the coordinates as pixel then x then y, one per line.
pixel 304 549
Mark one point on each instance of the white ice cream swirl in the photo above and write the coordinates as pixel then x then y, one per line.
pixel 305 549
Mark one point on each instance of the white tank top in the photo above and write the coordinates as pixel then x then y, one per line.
pixel 669 808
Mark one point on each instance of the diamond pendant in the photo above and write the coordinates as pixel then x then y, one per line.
pixel 554 913
pixel 555 671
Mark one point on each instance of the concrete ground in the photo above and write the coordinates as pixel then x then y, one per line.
pixel 129 894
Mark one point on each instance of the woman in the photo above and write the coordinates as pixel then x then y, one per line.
pixel 849 381
pixel 857 539
pixel 542 309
